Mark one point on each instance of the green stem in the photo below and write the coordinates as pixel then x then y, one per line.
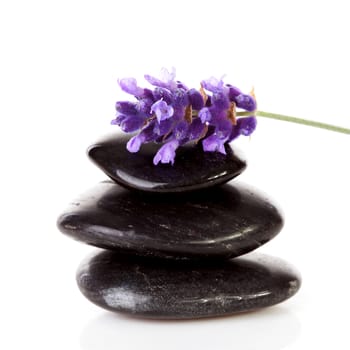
pixel 303 121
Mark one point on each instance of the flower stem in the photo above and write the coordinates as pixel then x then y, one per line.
pixel 286 118
pixel 303 121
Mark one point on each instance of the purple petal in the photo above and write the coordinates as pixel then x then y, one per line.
pixel 146 101
pixel 180 98
pixel 247 125
pixel 162 110
pixel 118 119
pixel 246 102
pixel 205 115
pixel 223 128
pixel 244 126
pixel 129 85
pixel 166 75
pixel 181 85
pixel 180 131
pixel 148 133
pixel 212 84
pixel 162 94
pixel 196 129
pixel 166 80
pixel 164 127
pixel 214 143
pixel 166 154
pixel 196 99
pixel 220 101
pixel 131 124
pixel 148 94
pixel 126 107
pixel 233 92
pixel 134 143
pixel 156 82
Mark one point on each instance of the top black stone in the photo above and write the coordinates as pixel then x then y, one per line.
pixel 193 169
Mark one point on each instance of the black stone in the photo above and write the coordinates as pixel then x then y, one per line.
pixel 180 290
pixel 223 222
pixel 193 168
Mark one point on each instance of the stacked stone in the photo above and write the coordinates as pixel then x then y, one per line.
pixel 174 236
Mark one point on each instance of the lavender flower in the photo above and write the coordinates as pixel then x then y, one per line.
pixel 173 114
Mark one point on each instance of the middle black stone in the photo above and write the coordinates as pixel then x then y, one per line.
pixel 221 222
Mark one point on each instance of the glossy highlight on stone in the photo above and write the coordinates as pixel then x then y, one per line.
pixel 220 222
pixel 181 290
pixel 194 169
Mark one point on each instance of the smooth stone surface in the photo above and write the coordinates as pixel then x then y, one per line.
pixel 223 222
pixel 193 169
pixel 180 290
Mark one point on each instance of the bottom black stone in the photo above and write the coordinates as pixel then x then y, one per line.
pixel 180 290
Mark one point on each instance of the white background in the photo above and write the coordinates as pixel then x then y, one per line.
pixel 60 61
